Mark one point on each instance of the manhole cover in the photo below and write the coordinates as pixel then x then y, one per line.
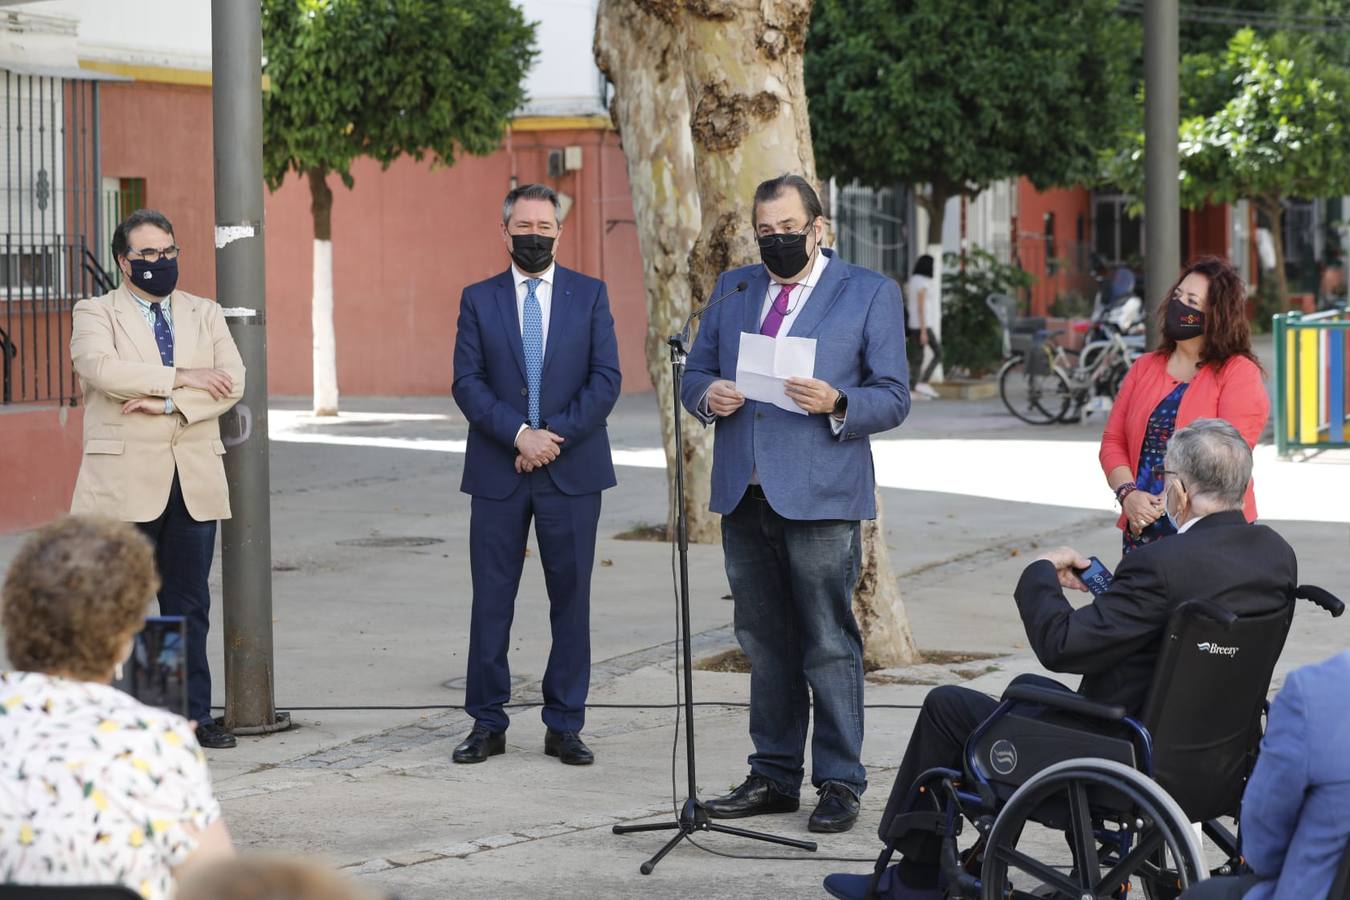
pixel 409 541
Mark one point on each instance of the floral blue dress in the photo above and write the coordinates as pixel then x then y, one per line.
pixel 1149 476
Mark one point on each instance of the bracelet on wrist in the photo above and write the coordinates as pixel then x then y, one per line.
pixel 1124 491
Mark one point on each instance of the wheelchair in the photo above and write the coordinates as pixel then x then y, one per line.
pixel 1074 800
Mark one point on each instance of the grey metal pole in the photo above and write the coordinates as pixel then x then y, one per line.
pixel 1162 201
pixel 246 539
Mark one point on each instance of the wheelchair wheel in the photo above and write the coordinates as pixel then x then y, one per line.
pixel 1090 828
pixel 1037 399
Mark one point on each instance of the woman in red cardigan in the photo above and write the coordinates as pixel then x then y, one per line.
pixel 1204 368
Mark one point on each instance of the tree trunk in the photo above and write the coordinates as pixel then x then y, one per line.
pixel 743 67
pixel 1274 212
pixel 637 47
pixel 321 304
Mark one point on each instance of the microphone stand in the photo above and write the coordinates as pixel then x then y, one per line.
pixel 693 815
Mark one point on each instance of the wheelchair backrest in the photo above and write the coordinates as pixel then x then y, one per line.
pixel 1205 705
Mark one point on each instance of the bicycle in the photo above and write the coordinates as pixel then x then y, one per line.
pixel 1043 382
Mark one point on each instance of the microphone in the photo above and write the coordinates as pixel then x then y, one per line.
pixel 698 313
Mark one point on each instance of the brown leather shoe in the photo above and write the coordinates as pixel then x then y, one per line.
pixel 756 796
pixel 479 745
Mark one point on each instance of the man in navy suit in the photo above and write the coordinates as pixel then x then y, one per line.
pixel 792 490
pixel 536 373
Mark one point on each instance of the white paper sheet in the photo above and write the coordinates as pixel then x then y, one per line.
pixel 765 364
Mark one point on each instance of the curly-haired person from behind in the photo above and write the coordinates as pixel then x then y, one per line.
pixel 96 788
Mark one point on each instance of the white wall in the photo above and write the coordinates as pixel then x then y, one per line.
pixel 177 33
pixel 564 80
pixel 172 33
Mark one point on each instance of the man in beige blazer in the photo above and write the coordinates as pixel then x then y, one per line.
pixel 158 368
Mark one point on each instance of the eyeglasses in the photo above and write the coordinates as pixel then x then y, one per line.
pixel 1158 473
pixel 153 255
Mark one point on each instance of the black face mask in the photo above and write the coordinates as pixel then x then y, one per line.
pixel 784 254
pixel 158 278
pixel 1183 322
pixel 531 252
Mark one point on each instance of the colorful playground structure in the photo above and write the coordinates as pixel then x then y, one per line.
pixel 1311 380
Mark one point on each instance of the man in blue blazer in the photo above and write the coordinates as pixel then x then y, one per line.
pixel 536 373
pixel 1294 825
pixel 792 490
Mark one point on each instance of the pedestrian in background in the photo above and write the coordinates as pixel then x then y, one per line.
pixel 96 788
pixel 158 368
pixel 536 375
pixel 924 313
pixel 1204 368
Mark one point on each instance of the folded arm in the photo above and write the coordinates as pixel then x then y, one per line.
pixel 196 404
pixel 93 352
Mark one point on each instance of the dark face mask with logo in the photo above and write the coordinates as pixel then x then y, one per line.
pixel 158 278
pixel 532 253
pixel 1183 322
pixel 784 254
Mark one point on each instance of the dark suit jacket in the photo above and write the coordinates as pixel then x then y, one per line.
pixel 1113 641
pixel 580 383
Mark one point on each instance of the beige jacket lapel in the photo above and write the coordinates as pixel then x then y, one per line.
pixel 134 327
pixel 186 331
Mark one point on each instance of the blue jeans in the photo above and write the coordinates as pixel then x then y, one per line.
pixel 793 582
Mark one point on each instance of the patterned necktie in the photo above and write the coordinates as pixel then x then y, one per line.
pixel 532 336
pixel 163 334
pixel 774 320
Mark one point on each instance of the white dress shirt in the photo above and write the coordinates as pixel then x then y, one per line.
pixel 543 292
pixel 1186 526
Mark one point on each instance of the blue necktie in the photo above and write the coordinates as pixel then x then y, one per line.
pixel 163 334
pixel 532 336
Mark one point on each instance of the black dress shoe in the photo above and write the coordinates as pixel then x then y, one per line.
pixel 212 736
pixel 837 809
pixel 756 796
pixel 479 745
pixel 568 747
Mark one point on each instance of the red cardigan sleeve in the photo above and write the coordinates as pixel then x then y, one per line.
pixel 1114 450
pixel 1243 400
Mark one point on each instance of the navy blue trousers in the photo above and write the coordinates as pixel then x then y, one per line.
pixel 564 526
pixel 184 549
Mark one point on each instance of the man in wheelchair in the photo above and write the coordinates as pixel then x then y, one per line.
pixel 1176 658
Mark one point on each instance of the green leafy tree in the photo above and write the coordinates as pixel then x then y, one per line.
pixel 955 94
pixel 975 341
pixel 1267 120
pixel 381 78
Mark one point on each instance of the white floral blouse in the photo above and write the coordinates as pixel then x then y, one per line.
pixel 95 787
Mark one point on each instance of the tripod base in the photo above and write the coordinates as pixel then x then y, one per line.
pixel 694 817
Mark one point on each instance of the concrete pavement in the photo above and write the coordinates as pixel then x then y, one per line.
pixel 371 606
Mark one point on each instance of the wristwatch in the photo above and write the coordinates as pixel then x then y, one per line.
pixel 840 406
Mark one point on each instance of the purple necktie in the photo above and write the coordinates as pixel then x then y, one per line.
pixel 774 320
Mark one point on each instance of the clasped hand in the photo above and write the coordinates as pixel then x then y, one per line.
pixel 1142 509
pixel 536 447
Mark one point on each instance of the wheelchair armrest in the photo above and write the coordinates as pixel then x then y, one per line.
pixel 1068 701
pixel 1211 610
pixel 1323 598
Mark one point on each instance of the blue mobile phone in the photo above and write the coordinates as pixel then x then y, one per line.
pixel 1096 576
